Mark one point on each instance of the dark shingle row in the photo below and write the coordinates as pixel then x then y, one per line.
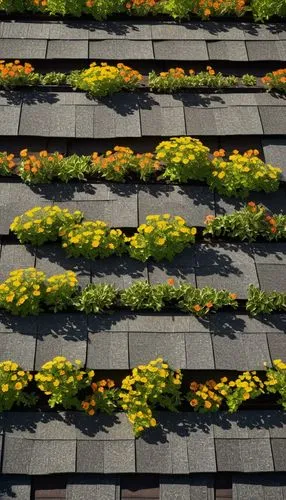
pixel 231 266
pixel 225 341
pixel 181 487
pixel 165 41
pixel 73 115
pixel 183 443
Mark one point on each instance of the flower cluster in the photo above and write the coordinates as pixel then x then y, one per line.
pixel 252 222
pixel 27 291
pixel 92 240
pixel 176 79
pixel 208 397
pixel 148 386
pixel 200 301
pixel 42 224
pixel 61 381
pixel 260 302
pixel 122 162
pixel 13 74
pixel 203 398
pixel 180 159
pixel 162 237
pixel 7 164
pixel 241 173
pixel 246 386
pixel 103 398
pixel 22 292
pixel 13 380
pixel 184 159
pixel 276 80
pixel 102 80
pixel 276 380
pixel 101 9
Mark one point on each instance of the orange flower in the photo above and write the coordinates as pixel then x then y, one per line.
pixel 194 402
pixel 251 204
pixel 197 308
pixel 194 386
pixel 209 305
pixel 171 281
pixel 233 296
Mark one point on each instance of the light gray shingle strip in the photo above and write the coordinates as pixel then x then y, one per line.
pixel 112 122
pixel 146 346
pixel 178 50
pixel 9 119
pixel 25 30
pixel 227 51
pixel 62 49
pixel 120 271
pixel 277 345
pixel 236 120
pixel 199 351
pixel 272 277
pixel 163 121
pixel 81 487
pixel 121 49
pixel 279 456
pixel 48 120
pixel 244 352
pixel 266 50
pixel 21 349
pixel 241 455
pixel 16 487
pixel 108 350
pixel 273 120
pixel 229 324
pixel 23 49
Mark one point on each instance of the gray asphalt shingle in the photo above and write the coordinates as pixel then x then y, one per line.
pixel 274 151
pixel 244 455
pixel 180 50
pixel 120 49
pixel 23 49
pixel 227 50
pixel 17 487
pixel 61 49
pixel 97 487
pixel 244 352
pixel 272 277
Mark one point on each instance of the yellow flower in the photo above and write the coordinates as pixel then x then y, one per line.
pixel 56 383
pixel 5 388
pixel 18 386
pixel 160 241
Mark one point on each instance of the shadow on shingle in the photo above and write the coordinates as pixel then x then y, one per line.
pixel 274 321
pixel 68 326
pixel 199 100
pixel 111 28
pixel 29 420
pixel 184 426
pixel 214 257
pixel 229 327
pixel 29 97
pixel 62 191
pixel 252 420
pixel 91 426
pixel 125 105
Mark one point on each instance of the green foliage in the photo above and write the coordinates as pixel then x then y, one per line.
pixel 259 302
pixel 42 224
pixel 242 173
pixel 276 380
pixel 249 223
pixel 264 9
pixel 247 386
pixel 248 80
pixel 199 301
pixel 141 295
pixel 184 159
pixel 53 78
pixel 96 298
pixel 93 240
pixel 21 294
pixel 13 381
pixel 176 79
pixel 162 237
pixel 100 81
pixel 151 385
pixel 61 381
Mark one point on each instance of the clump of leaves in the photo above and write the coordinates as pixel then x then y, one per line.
pixel 96 298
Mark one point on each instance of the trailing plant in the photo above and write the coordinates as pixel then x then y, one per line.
pixel 275 80
pixel 242 173
pixel 260 302
pixel 246 386
pixel 21 294
pixel 92 240
pixel 252 222
pixel 203 8
pixel 45 167
pixel 41 224
pixel 141 295
pixel 100 81
pixel 60 291
pixel 203 398
pixel 162 237
pixel 96 298
pixel 143 7
pixel 61 381
pixel 176 79
pixel 13 381
pixel 264 9
pixel 184 159
pixel 248 80
pixel 14 74
pixel 53 78
pixel 118 164
pixel 7 164
pixel 276 380
pixel 200 301
pixel 104 398
pixel 149 386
